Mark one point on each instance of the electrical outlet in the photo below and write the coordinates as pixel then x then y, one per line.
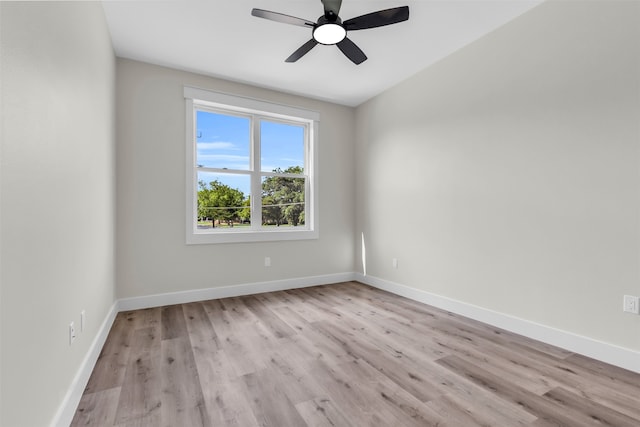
pixel 631 304
pixel 72 333
pixel 267 261
pixel 394 262
pixel 83 320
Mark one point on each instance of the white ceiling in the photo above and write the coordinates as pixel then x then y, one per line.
pixel 220 38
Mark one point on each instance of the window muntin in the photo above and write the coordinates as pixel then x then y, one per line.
pixel 236 150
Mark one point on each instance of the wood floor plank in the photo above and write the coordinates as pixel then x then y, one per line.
pixel 502 361
pixel 455 415
pixel 314 344
pixel 228 405
pixel 291 365
pixel 273 323
pixel 544 408
pixel 406 408
pixel 321 412
pixel 152 419
pixel 357 388
pixel 350 396
pixel 145 318
pixel 341 355
pixel 237 337
pixel 425 379
pixel 466 344
pixel 393 363
pixel 238 310
pixel 275 299
pixel 141 386
pixel 199 328
pixel 173 324
pixel 112 362
pixel 614 399
pixel 471 396
pixel 97 409
pixel 222 391
pixel 320 308
pixel 613 389
pixel 527 344
pixel 601 414
pixel 293 319
pixel 599 370
pixel 182 402
pixel 269 401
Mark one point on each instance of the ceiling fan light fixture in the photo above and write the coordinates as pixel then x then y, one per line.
pixel 329 33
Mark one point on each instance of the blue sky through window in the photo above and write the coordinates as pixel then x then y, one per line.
pixel 282 146
pixel 223 142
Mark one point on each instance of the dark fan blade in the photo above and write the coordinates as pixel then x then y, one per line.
pixel 281 17
pixel 377 19
pixel 331 7
pixel 302 51
pixel 352 51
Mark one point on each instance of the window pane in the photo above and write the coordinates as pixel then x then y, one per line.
pixel 223 201
pixel 222 141
pixel 283 201
pixel 281 147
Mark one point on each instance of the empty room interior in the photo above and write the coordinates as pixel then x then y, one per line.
pixel 454 241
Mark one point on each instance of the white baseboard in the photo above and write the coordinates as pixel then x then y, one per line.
pixel 67 409
pixel 605 352
pixel 183 297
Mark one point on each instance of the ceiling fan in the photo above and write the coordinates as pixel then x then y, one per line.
pixel 330 30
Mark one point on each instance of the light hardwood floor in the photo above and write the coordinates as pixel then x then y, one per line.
pixel 341 355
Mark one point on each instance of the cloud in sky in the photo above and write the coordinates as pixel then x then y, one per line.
pixel 224 157
pixel 222 145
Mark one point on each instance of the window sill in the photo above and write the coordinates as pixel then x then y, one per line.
pixel 233 236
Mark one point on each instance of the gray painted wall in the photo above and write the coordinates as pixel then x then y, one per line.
pixel 507 175
pixel 152 256
pixel 57 198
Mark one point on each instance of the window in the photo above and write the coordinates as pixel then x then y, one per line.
pixel 250 170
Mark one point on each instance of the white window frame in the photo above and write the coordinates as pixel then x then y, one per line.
pixel 197 98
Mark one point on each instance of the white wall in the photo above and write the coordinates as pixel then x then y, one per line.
pixel 507 176
pixel 152 257
pixel 57 198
